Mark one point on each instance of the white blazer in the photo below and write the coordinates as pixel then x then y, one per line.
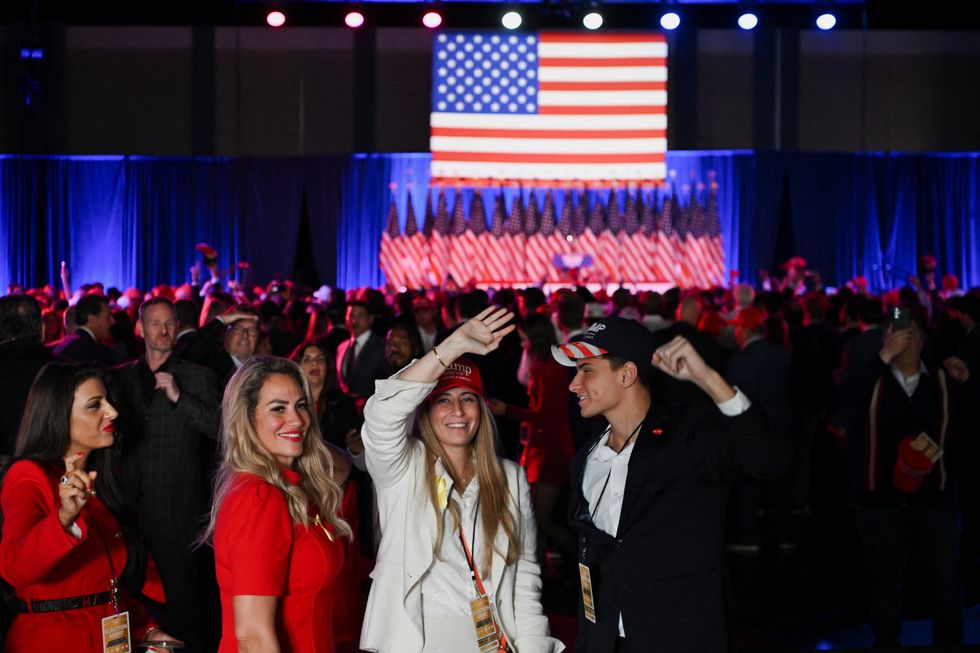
pixel 396 462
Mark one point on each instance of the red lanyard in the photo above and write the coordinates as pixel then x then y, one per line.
pixel 475 575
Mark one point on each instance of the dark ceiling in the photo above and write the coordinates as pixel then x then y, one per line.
pixel 853 14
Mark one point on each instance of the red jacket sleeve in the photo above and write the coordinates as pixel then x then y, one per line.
pixel 253 539
pixel 33 541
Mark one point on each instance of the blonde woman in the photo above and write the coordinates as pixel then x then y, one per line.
pixel 457 562
pixel 275 521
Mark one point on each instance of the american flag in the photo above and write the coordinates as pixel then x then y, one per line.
pixel 414 246
pixel 715 248
pixel 538 264
pixel 549 106
pixel 459 261
pixel 634 257
pixel 513 239
pixel 474 239
pixel 439 246
pixel 592 239
pixel 609 240
pixel 498 259
pixel 651 240
pixel 531 225
pixel 668 252
pixel 389 259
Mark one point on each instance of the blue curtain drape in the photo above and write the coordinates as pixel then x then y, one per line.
pixel 134 221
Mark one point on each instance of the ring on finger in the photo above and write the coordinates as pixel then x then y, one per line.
pixel 64 480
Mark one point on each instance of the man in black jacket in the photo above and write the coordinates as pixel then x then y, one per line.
pixel 93 320
pixel 902 478
pixel 21 357
pixel 648 497
pixel 168 411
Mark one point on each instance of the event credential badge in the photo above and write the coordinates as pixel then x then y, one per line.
pixel 115 634
pixel 588 605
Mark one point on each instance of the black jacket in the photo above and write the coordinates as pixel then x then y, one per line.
pixel 665 569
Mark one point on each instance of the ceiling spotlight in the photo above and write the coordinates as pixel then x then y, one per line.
pixel 354 19
pixel 826 21
pixel 432 19
pixel 670 20
pixel 511 20
pixel 748 20
pixel 592 20
pixel 275 18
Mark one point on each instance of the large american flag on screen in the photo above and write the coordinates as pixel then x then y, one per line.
pixel 549 106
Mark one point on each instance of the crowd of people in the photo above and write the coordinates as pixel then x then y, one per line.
pixel 289 469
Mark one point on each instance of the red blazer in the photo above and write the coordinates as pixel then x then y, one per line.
pixel 43 562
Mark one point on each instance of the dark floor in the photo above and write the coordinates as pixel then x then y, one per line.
pixel 802 599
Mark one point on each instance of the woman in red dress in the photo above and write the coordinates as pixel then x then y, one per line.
pixel 69 549
pixel 546 434
pixel 275 520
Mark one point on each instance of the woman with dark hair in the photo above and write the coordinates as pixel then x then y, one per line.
pixel 69 541
pixel 546 433
pixel 275 521
pixel 336 412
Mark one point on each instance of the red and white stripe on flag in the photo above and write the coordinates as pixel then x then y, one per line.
pixel 594 107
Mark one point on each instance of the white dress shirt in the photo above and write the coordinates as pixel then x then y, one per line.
pixel 447 588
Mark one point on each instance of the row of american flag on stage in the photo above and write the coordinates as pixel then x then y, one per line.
pixel 636 235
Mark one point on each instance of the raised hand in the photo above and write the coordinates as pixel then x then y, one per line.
pixel 481 334
pixel 680 359
pixel 75 489
pixel 895 343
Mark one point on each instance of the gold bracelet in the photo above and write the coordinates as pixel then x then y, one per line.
pixel 439 358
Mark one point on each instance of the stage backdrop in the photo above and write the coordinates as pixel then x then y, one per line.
pixel 134 221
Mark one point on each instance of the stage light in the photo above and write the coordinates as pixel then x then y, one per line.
pixel 432 19
pixel 826 21
pixel 511 20
pixel 670 20
pixel 354 19
pixel 748 20
pixel 275 18
pixel 592 20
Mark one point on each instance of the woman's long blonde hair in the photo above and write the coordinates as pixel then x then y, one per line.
pixel 495 496
pixel 241 451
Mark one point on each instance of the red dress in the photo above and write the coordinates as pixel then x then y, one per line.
pixel 44 562
pixel 548 451
pixel 259 551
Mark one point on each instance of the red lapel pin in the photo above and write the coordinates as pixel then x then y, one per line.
pixel 657 431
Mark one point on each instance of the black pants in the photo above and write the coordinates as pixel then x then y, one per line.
pixel 926 536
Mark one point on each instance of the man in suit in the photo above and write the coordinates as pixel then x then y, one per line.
pixel 648 496
pixel 93 320
pixel 168 410
pixel 361 358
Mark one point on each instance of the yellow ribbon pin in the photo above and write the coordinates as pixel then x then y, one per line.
pixel 441 493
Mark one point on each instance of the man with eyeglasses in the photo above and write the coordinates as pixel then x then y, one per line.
pixel 226 342
pixel 648 496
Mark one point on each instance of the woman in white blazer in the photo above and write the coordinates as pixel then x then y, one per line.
pixel 458 543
